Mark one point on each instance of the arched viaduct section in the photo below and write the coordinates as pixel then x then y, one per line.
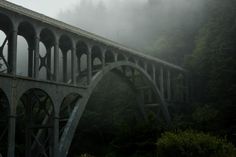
pixel 62 66
pixel 70 129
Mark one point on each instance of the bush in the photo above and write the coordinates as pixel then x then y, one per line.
pixel 86 155
pixel 193 144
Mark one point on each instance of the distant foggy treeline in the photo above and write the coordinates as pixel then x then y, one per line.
pixel 135 23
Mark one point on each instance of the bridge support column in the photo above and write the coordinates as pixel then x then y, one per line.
pixel 56 136
pixel 89 64
pixel 78 66
pixel 36 57
pixel 103 58
pixel 56 60
pixel 49 62
pixel 12 120
pixel 73 61
pixel 12 55
pixel 161 81
pixel 154 73
pixel 115 57
pixel 30 61
pixel 11 135
pixel 64 55
pixel 169 85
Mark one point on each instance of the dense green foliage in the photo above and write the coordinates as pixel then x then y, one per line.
pixel 193 144
pixel 205 46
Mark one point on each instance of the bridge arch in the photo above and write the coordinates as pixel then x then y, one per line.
pixel 35 117
pixel 79 108
pixel 66 107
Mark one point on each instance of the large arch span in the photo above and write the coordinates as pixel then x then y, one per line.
pixel 80 105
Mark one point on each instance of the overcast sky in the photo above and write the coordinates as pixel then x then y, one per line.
pixel 53 7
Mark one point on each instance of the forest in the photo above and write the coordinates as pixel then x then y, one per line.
pixel 199 36
pixel 203 41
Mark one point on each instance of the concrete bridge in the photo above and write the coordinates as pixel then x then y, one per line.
pixel 74 62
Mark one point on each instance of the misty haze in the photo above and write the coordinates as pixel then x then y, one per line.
pixel 121 78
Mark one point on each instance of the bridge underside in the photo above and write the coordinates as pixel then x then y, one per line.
pixel 48 71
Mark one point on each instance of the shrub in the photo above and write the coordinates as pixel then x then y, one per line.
pixel 193 144
pixel 86 155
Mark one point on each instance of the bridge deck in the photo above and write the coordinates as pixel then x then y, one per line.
pixel 61 25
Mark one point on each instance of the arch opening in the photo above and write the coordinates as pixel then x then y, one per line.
pixel 65 45
pixel 120 57
pixel 131 59
pixel 35 116
pixel 42 61
pixel 6 27
pixel 25 49
pixel 3 52
pixel 82 63
pixel 96 59
pixel 109 57
pixel 48 39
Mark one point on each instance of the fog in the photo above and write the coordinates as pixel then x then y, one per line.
pixel 134 23
pixel 139 24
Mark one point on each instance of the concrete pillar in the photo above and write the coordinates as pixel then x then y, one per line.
pixel 73 63
pixel 154 73
pixel 12 55
pixel 103 58
pixel 169 85
pixel 12 120
pixel 89 64
pixel 116 57
pixel 64 60
pixel 161 81
pixel 30 61
pixel 56 136
pixel 49 55
pixel 78 65
pixel 36 57
pixel 56 60
pixel 11 135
